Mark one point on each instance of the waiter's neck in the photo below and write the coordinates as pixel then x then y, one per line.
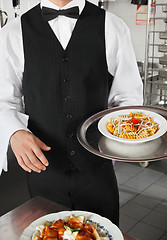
pixel 60 3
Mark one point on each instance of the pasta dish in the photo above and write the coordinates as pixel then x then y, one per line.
pixel 132 126
pixel 70 228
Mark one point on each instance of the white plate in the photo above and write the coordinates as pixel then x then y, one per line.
pixel 105 224
pixel 156 118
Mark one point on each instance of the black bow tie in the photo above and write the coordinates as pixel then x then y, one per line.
pixel 49 13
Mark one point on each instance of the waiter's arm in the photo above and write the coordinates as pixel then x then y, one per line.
pixel 127 87
pixel 13 122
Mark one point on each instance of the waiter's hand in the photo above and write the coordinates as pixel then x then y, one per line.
pixel 28 151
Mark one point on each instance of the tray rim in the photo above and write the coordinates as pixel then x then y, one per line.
pixel 82 129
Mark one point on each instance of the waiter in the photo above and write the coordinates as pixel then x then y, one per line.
pixel 68 60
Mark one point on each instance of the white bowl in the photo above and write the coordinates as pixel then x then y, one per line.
pixel 155 116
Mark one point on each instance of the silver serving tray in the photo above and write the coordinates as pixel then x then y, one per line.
pixel 162 48
pixel 162 84
pixel 93 141
pixel 163 72
pixel 163 35
pixel 163 60
pixel 164 8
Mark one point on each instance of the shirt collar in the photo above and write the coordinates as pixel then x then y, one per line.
pixel 73 3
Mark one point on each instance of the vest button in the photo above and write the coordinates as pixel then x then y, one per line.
pixel 67 98
pixel 70 134
pixel 69 115
pixel 72 153
pixel 65 59
pixel 66 80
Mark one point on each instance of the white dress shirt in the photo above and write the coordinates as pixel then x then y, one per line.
pixel 127 88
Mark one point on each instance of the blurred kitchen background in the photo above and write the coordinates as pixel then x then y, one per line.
pixel 143 192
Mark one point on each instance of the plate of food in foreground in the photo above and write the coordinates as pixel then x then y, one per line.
pixel 132 125
pixel 71 225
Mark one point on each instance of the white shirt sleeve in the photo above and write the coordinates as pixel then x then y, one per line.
pixel 127 87
pixel 12 117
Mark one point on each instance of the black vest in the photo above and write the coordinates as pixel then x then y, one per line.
pixel 62 88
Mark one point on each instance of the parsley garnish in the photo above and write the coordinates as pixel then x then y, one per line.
pixel 71 229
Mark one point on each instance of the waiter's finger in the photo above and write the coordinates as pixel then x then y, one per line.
pixel 28 163
pixel 22 164
pixel 37 151
pixel 34 163
pixel 42 145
